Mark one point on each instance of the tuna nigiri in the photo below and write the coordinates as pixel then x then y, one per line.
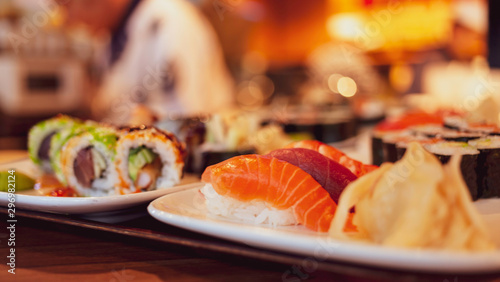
pixel 356 167
pixel 244 182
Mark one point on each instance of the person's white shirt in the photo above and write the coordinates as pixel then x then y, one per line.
pixel 172 63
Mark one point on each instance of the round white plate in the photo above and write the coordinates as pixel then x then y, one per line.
pixel 186 209
pixel 28 200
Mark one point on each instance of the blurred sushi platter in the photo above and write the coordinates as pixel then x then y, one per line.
pixel 283 182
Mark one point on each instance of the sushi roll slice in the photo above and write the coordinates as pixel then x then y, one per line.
pixel 88 162
pixel 389 142
pixel 489 169
pixel 403 143
pixel 460 136
pixel 377 148
pixel 147 159
pixel 395 125
pixel 455 123
pixel 59 141
pixel 430 131
pixel 40 136
pixel 469 164
pixel 461 124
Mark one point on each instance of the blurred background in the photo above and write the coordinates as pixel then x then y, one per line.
pixel 344 63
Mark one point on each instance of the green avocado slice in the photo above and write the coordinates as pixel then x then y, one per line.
pixel 137 159
pixel 18 181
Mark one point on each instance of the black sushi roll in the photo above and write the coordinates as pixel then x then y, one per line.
pixel 429 131
pixel 389 141
pixel 455 123
pixel 377 148
pixel 460 136
pixel 403 144
pixel 489 160
pixel 469 164
pixel 460 124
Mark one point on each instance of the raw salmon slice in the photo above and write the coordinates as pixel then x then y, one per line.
pixel 356 167
pixel 278 183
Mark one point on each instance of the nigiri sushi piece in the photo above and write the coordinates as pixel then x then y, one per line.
pixel 356 167
pixel 266 187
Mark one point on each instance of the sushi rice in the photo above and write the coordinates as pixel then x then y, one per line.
pixel 255 212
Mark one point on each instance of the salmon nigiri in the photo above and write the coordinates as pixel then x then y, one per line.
pixel 356 167
pixel 251 179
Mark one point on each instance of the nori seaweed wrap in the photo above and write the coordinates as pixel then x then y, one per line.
pixel 489 171
pixel 389 142
pixel 468 165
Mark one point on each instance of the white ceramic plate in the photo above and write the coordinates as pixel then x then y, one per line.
pixel 186 209
pixel 29 200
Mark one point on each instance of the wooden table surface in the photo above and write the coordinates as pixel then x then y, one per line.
pixel 62 248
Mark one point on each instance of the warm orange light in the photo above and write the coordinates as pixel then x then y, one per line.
pixel 347 86
pixel 345 26
pixel 333 81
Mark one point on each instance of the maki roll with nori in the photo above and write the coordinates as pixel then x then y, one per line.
pixel 469 164
pixel 429 131
pixel 402 145
pixel 461 124
pixel 394 126
pixel 58 142
pixel 148 159
pixel 41 135
pixel 459 136
pixel 377 148
pixel 489 170
pixel 446 133
pixel 389 142
pixel 88 162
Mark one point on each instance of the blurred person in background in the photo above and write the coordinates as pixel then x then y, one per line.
pixel 162 55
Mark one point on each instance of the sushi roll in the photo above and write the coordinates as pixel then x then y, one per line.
pixel 393 126
pixel 430 131
pixel 489 169
pixel 389 142
pixel 455 123
pixel 403 143
pixel 58 142
pixel 41 135
pixel 88 162
pixel 461 124
pixel 147 159
pixel 460 136
pixel 469 163
pixel 377 148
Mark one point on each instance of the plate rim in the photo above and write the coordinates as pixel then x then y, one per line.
pixel 337 250
pixel 85 205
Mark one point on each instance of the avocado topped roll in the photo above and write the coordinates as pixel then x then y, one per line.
pixel 148 159
pixel 58 142
pixel 41 135
pixel 88 162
